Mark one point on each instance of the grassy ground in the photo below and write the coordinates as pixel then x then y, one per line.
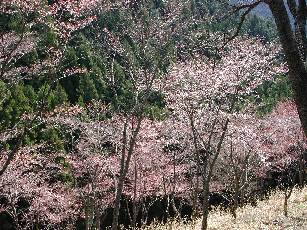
pixel 268 215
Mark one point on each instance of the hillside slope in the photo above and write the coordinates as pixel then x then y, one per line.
pixel 268 215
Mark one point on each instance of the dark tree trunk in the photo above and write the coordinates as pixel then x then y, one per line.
pixel 297 71
pixel 301 171
pixel 287 195
pixel 236 197
pixel 124 167
pixel 205 213
pixel 286 206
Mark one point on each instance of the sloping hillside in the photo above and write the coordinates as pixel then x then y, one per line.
pixel 268 215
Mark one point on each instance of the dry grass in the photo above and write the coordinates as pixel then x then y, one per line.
pixel 268 215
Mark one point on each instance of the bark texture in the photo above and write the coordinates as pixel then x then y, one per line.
pixel 297 70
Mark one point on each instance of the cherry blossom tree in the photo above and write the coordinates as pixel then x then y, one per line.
pixel 203 95
pixel 52 202
pixel 158 170
pixel 282 146
pixel 27 180
pixel 239 164
pixel 144 67
pixel 96 162
pixel 91 160
pixel 292 38
pixel 118 150
pixel 24 38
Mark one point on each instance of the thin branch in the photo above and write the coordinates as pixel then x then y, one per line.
pixel 248 8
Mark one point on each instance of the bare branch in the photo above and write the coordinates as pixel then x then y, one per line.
pixel 237 8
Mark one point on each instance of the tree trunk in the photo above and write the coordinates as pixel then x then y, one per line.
pixel 301 171
pixel 236 198
pixel 301 24
pixel 120 184
pixel 124 167
pixel 119 192
pixel 287 195
pixel 206 193
pixel 286 206
pixel 195 189
pixel 135 208
pixel 89 213
pixel 297 71
pixel 97 217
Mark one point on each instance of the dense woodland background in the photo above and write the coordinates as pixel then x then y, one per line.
pixel 124 112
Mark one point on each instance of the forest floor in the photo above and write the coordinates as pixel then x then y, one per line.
pixel 267 215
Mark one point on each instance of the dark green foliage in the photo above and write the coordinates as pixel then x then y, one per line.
pixel 114 20
pixel 156 106
pixel 267 95
pixel 257 26
pixel 71 58
pixel 271 93
pixel 27 59
pixel 87 89
pixel 4 22
pixel 16 23
pixel 51 98
pixel 57 97
pixel 65 175
pixel 91 84
pixel 53 139
pixel 16 105
pixel 4 93
pixel 23 99
pixel 108 74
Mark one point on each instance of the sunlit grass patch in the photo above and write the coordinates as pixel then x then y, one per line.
pixel 267 215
